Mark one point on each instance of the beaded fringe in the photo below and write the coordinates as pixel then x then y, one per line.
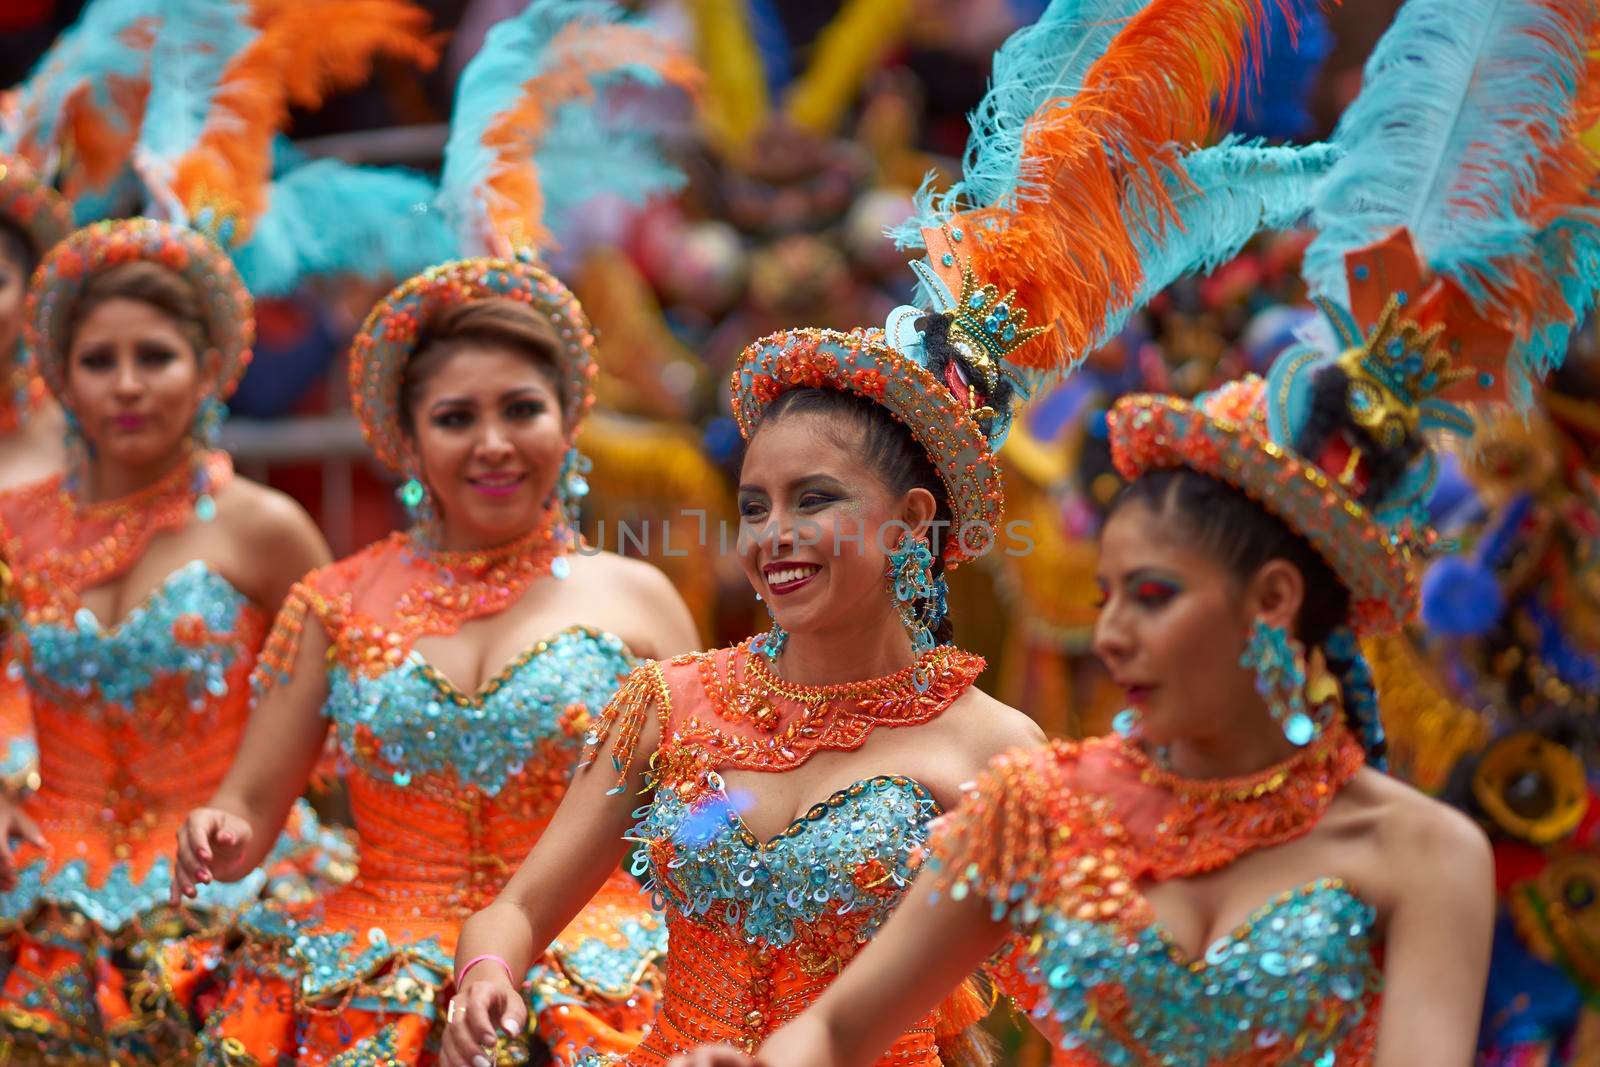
pixel 644 691
pixel 1021 838
pixel 276 661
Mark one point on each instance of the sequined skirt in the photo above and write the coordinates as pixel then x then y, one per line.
pixel 342 980
pixel 103 969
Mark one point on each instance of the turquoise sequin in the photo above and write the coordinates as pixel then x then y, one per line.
pixel 113 666
pixel 1300 971
pixel 424 726
pixel 765 892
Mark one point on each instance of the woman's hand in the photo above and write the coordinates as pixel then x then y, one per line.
pixel 485 1001
pixel 715 1056
pixel 14 825
pixel 213 845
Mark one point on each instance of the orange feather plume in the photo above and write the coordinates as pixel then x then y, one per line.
pixel 306 50
pixel 513 199
pixel 1160 87
pixel 1568 177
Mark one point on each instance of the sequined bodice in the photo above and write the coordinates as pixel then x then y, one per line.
pixel 1295 984
pixel 185 639
pixel 136 725
pixel 410 722
pixel 450 790
pixel 757 930
pixel 845 864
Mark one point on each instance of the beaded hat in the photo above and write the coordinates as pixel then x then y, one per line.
pixel 32 206
pixel 387 339
pixel 1309 442
pixel 65 272
pixel 946 375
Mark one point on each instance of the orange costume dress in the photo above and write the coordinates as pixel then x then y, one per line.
pixel 1059 840
pixel 758 929
pixel 136 723
pixel 450 790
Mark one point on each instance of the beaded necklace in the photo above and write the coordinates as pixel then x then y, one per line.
pixel 1079 825
pixel 794 721
pixel 1210 823
pixel 378 602
pixel 60 546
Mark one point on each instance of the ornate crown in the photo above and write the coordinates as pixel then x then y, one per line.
pixel 1391 374
pixel 992 326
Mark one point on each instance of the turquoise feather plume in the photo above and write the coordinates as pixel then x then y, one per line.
pixel 1038 63
pixel 1234 191
pixel 584 142
pixel 515 51
pixel 327 217
pixel 197 41
pixel 83 66
pixel 1442 139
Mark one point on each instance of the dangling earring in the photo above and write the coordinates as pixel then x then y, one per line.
pixel 79 451
pixel 770 644
pixel 1126 722
pixel 1279 663
pixel 920 596
pixel 572 486
pixel 418 502
pixel 206 431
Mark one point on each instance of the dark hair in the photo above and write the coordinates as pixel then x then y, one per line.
pixel 1330 414
pixel 149 283
pixel 1244 537
pixel 17 246
pixel 886 448
pixel 495 321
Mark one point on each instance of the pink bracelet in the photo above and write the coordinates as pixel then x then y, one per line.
pixel 474 961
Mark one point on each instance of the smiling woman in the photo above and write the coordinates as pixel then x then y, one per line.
pixel 145 580
pixel 474 379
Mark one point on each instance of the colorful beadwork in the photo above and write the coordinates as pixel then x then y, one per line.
pixel 66 270
pixel 758 929
pixel 1058 842
pixel 136 724
pixel 449 790
pixel 863 363
pixel 381 349
pixel 780 725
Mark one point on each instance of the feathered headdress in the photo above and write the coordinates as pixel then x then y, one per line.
pixel 75 117
pixel 1072 171
pixel 1453 231
pixel 533 103
pixel 226 74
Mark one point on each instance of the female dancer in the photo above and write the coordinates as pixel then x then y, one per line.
pixel 32 219
pixel 1230 882
pixel 142 584
pixel 460 663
